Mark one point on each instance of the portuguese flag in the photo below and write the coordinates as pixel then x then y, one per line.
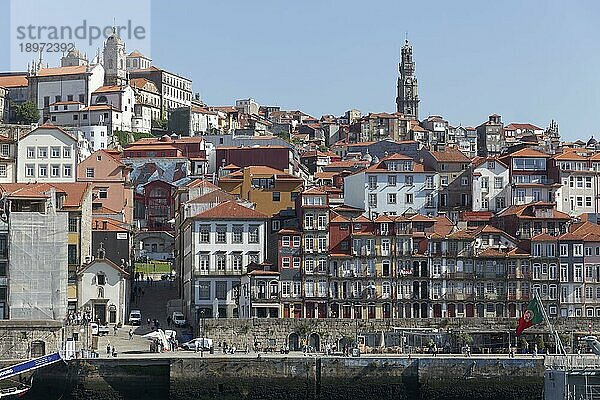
pixel 531 316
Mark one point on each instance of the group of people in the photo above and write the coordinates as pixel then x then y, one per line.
pixel 78 318
pixel 110 350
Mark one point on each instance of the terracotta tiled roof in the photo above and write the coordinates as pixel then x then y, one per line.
pixel 73 70
pixel 313 190
pixel 571 236
pixel 450 155
pixel 527 152
pixel 74 191
pixel 215 196
pixel 12 81
pixel 491 252
pixel 336 218
pixel 543 237
pixel 478 161
pixel 202 183
pixel 479 216
pixel 230 210
pixel 109 89
pixel 289 231
pixel 325 174
pixel 100 107
pixel 526 126
pixel 136 53
pixel 570 156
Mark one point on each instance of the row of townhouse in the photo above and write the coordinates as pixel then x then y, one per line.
pixel 341 264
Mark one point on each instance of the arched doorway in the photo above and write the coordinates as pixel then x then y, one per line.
pixel 314 341
pixel 294 342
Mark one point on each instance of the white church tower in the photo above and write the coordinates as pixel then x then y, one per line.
pixel 115 70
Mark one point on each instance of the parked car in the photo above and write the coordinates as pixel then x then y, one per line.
pixel 203 343
pixel 135 317
pixel 179 318
pixel 99 330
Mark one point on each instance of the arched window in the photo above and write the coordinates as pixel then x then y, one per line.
pixel 101 279
pixel 101 99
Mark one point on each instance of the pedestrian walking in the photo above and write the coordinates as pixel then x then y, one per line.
pixel 196 346
pixel 108 348
pixel 114 352
pixel 115 330
pixel 130 333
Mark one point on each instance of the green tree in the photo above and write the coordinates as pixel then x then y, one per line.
pixel 27 113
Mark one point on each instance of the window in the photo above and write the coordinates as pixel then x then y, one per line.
pixel 29 170
pixel 221 234
pixel 308 243
pixel 372 182
pixel 408 180
pixel 101 279
pixel 391 198
pixel 564 250
pixel 309 220
pixel 392 180
pixel 276 196
pixel 2 170
pixel 491 165
pixel 444 181
pixel 89 172
pixel 409 198
pixel 204 290
pixel 54 170
pixel 588 201
pixel 500 203
pixel 66 152
pixel 321 221
pixel 73 224
pixel 31 152
pixel 429 182
pixel 103 193
pixel 55 152
pixel 464 181
pixel 5 150
pixel 578 273
pixel 285 262
pixel 578 250
pixel 498 182
pixel 204 262
pixel 221 262
pixel 205 234
pixel 66 170
pixel 309 265
pixel 42 152
pixel 296 241
pixel 275 225
pixel 372 200
pixel 237 234
pixel 296 262
pixel 237 262
pixel 253 234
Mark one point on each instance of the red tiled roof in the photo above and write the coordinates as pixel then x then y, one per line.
pixel 215 196
pixel 72 70
pixel 12 81
pixel 230 210
pixel 109 89
pixel 543 237
pixel 98 224
pixel 450 155
pixel 527 152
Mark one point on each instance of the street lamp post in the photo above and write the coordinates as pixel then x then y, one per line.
pixel 202 335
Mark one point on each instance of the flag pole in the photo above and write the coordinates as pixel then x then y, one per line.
pixel 559 345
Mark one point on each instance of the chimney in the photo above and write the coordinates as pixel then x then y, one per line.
pixel 104 225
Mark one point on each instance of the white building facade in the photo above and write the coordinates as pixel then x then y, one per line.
pixel 491 189
pixel 47 154
pixel 104 290
pixel 219 243
pixel 393 186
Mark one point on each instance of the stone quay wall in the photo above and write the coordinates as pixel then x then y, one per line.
pixel 17 338
pixel 302 378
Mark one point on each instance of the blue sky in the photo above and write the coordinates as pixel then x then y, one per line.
pixel 528 61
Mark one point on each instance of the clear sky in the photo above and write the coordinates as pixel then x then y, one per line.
pixel 529 61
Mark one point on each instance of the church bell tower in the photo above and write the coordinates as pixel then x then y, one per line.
pixel 115 70
pixel 407 101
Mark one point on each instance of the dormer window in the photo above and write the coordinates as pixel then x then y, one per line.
pixel 392 166
pixel 408 165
